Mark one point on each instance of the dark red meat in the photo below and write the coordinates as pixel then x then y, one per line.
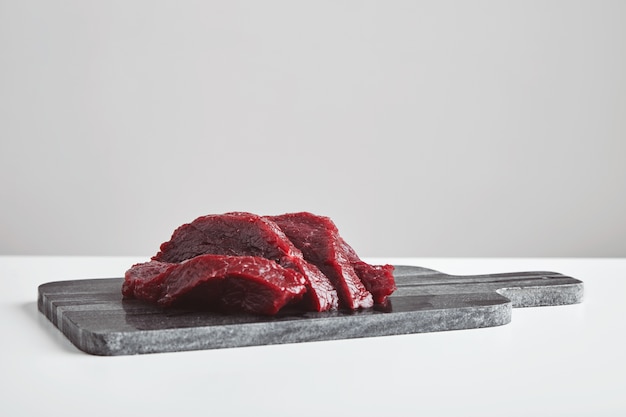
pixel 224 283
pixel 318 239
pixel 246 234
pixel 378 279
pixel 144 280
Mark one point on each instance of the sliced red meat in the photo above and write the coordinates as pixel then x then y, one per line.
pixel 378 279
pixel 246 234
pixel 225 283
pixel 144 280
pixel 318 239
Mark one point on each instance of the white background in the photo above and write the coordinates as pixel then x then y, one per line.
pixel 441 128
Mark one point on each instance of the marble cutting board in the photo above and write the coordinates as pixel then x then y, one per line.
pixel 96 319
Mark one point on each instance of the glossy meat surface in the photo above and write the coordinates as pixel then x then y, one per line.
pixel 247 234
pixel 217 282
pixel 318 239
pixel 378 279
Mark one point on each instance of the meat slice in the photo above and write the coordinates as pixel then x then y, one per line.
pixel 144 280
pixel 378 279
pixel 318 239
pixel 217 282
pixel 247 234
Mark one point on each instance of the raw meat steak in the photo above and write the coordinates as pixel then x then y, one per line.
pixel 225 283
pixel 318 239
pixel 246 234
pixel 378 279
pixel 143 280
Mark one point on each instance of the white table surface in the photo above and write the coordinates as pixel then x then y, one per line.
pixel 549 361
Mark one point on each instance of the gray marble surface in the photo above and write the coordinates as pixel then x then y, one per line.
pixel 96 319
